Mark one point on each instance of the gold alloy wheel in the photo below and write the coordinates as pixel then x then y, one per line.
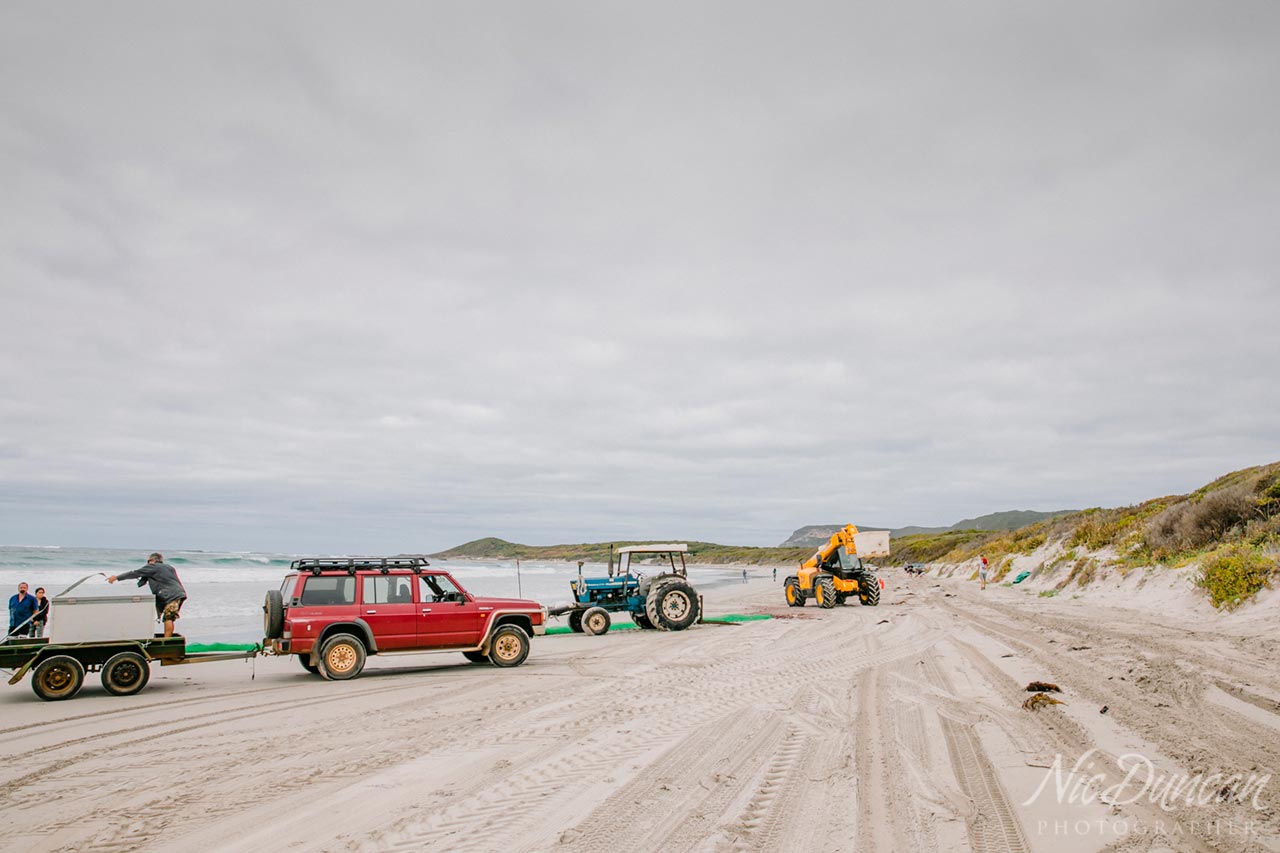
pixel 675 605
pixel 596 623
pixel 341 658
pixel 507 647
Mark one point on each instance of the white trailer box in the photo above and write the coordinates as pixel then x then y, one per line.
pixel 872 543
pixel 91 619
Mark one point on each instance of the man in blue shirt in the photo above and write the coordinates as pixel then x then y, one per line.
pixel 21 608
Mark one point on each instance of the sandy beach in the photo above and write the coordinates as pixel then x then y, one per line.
pixel 891 728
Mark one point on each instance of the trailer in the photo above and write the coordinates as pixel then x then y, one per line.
pixel 107 634
pixel 58 669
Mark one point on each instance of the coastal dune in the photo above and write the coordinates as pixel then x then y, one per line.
pixel 899 727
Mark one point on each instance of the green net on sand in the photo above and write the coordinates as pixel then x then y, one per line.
pixel 725 619
pixel 221 647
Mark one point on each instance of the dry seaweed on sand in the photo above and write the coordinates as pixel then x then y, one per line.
pixel 1043 687
pixel 1036 701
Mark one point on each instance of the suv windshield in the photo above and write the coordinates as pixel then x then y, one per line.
pixel 439 588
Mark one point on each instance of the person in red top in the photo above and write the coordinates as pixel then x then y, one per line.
pixel 982 574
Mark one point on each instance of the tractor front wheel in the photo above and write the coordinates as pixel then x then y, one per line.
pixel 596 621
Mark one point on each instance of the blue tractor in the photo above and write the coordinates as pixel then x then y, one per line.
pixel 665 601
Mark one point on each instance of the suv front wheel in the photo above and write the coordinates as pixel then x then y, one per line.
pixel 509 647
pixel 342 657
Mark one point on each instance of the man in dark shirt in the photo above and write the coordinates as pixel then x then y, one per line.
pixel 21 608
pixel 164 583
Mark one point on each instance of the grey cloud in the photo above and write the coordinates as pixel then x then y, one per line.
pixel 400 276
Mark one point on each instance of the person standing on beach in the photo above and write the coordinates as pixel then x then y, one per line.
pixel 744 575
pixel 21 608
pixel 775 574
pixel 41 619
pixel 165 586
pixel 982 574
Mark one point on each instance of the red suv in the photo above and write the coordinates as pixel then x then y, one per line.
pixel 332 613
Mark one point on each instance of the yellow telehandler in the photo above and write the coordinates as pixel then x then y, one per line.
pixel 836 571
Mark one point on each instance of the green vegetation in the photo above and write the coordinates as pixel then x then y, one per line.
pixel 1234 574
pixel 492 548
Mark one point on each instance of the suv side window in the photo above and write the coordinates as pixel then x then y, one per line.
pixel 321 590
pixel 439 588
pixel 386 589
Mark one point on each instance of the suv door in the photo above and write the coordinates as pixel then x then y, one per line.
pixel 447 617
pixel 386 603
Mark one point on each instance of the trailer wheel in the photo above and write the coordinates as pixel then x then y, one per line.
pixel 575 621
pixel 476 657
pixel 791 588
pixel 305 661
pixel 869 590
pixel 825 592
pixel 273 615
pixel 596 621
pixel 510 646
pixel 125 674
pixel 672 606
pixel 57 677
pixel 342 657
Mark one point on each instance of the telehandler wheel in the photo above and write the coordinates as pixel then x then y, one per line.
pixel 575 621
pixel 841 598
pixel 596 621
pixel 825 592
pixel 57 677
pixel 869 590
pixel 791 589
pixel 672 606
pixel 125 673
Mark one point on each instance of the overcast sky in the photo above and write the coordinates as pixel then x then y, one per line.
pixel 295 278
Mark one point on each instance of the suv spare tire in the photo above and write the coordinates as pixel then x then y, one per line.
pixel 273 615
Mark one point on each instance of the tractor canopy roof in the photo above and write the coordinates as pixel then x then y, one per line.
pixel 679 547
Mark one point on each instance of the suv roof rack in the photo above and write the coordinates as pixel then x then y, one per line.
pixel 350 565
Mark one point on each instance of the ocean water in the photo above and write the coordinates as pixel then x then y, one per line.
pixel 225 589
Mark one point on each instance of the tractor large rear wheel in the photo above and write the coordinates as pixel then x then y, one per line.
pixel 672 606
pixel 791 589
pixel 825 592
pixel 869 590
